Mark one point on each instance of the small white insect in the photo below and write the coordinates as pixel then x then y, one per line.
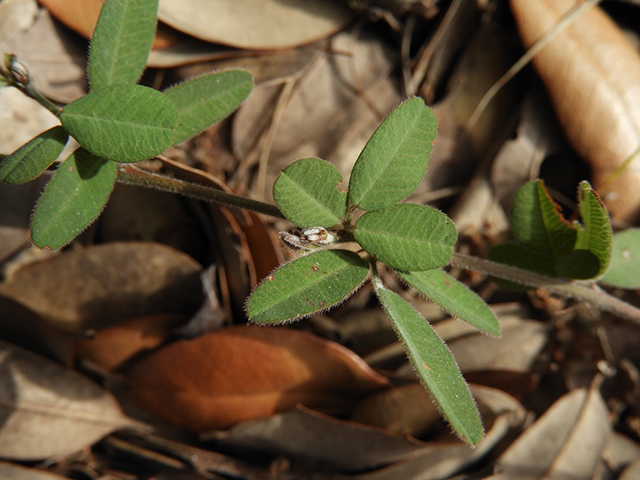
pixel 308 238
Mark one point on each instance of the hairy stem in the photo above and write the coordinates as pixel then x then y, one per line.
pixel 588 292
pixel 130 175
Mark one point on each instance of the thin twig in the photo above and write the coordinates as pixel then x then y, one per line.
pixel 130 175
pixel 586 292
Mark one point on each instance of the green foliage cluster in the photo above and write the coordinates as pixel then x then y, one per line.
pixel 118 121
pixel 549 245
pixel 345 233
pixel 414 240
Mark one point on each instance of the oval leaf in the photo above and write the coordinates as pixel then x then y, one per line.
pixel 407 236
pixel 454 297
pixel 624 271
pixel 124 123
pixel 307 285
pixel 596 237
pixel 435 366
pixel 73 199
pixel 49 410
pixel 242 372
pixel 395 158
pixel 30 160
pixel 205 100
pixel 121 42
pixel 309 193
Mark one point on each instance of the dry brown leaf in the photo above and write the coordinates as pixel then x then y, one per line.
pixel 324 114
pixel 592 73
pixel 255 24
pixel 112 347
pixel 564 443
pixel 48 410
pixel 518 348
pixel 406 410
pixel 244 372
pixel 104 285
pixel 502 415
pixel 319 441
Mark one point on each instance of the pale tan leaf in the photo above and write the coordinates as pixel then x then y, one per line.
pixel 255 24
pixel 592 73
pixel 519 346
pixel 632 472
pixel 244 372
pixel 320 441
pixel 564 443
pixel 48 410
pixel 101 286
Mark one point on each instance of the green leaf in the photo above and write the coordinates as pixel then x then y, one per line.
pixel 596 237
pixel 579 264
pixel 30 160
pixel 624 270
pixel 537 222
pixel 310 193
pixel 407 236
pixel 72 200
pixel 434 365
pixel 205 100
pixel 519 256
pixel 454 297
pixel 123 123
pixel 395 158
pixel 307 285
pixel 121 42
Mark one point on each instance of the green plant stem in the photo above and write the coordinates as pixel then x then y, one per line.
pixel 588 292
pixel 130 175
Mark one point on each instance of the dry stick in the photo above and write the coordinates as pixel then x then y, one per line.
pixel 130 175
pixel 570 17
pixel 587 292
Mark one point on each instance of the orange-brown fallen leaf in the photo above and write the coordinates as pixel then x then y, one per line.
pixel 592 73
pixel 244 372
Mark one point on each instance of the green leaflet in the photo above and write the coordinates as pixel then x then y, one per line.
pixel 307 285
pixel 395 158
pixel 454 297
pixel 407 236
pixel 121 42
pixel 549 245
pixel 205 100
pixel 596 236
pixel 123 123
pixel 434 365
pixel 72 200
pixel 30 160
pixel 309 193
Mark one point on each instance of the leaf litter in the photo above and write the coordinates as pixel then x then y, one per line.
pixel 131 280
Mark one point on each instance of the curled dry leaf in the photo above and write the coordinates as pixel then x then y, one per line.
pixel 592 73
pixel 48 410
pixel 101 286
pixel 246 372
pixel 565 442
